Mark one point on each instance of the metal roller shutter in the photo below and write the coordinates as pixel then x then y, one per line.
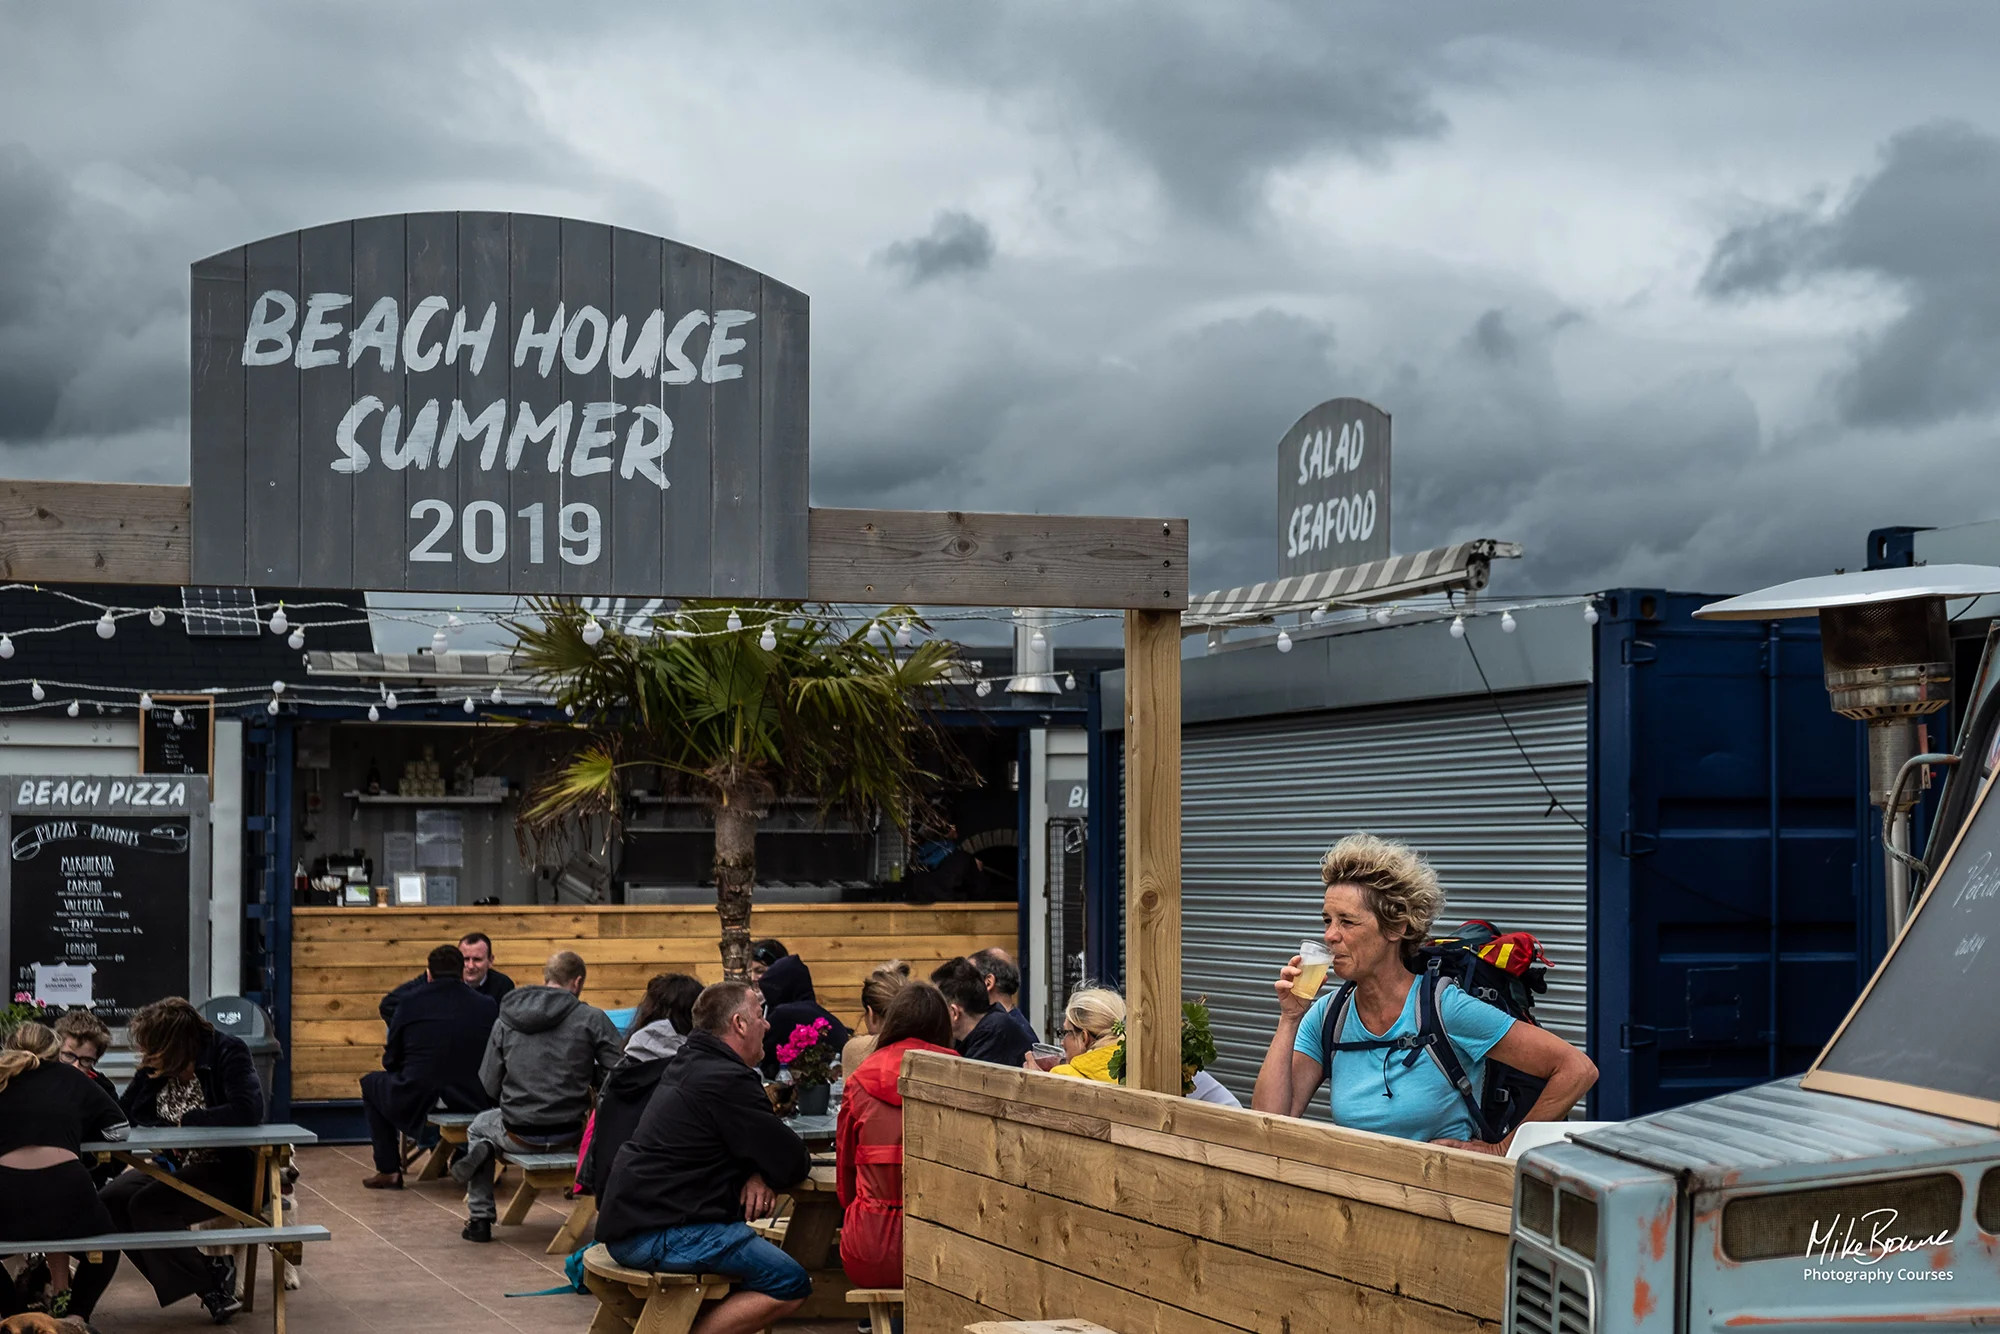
pixel 1261 801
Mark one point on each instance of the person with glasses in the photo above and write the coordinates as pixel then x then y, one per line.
pixel 1091 1026
pixel 85 1039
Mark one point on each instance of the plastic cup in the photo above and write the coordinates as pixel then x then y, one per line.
pixel 1314 960
pixel 1047 1055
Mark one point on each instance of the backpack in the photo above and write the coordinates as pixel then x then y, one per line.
pixel 1506 970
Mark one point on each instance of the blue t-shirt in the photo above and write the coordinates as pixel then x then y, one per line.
pixel 1422 1105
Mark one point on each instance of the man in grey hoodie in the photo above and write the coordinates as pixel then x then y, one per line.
pixel 546 1054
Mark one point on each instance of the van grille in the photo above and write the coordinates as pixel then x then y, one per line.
pixel 1549 1297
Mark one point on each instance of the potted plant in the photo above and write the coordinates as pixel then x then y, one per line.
pixel 25 1009
pixel 1197 1044
pixel 807 1059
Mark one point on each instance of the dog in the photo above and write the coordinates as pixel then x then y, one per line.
pixel 34 1322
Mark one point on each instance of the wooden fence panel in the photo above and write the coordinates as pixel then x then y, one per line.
pixel 1045 1198
pixel 345 959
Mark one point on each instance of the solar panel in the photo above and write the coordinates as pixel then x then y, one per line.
pixel 220 613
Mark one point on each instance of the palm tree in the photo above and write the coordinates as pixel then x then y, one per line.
pixel 738 704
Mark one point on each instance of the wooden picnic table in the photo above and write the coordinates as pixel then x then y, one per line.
pixel 814 1220
pixel 272 1146
pixel 814 1130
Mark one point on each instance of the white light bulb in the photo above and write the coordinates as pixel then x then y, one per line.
pixel 6 646
pixel 1507 621
pixel 297 640
pixel 390 699
pixel 1038 641
pixel 1458 627
pixel 496 696
pixel 145 699
pixel 1069 680
pixel 593 633
pixel 454 624
pixel 903 635
pixel 439 643
pixel 37 691
pixel 1382 615
pixel 1319 616
pixel 277 687
pixel 768 641
pixel 278 621
pixel 569 710
pixel 271 706
pixel 180 719
pixel 1590 613
pixel 1284 642
pixel 158 616
pixel 470 707
pixel 374 714
pixel 106 627
pixel 74 709
pixel 984 689
pixel 734 622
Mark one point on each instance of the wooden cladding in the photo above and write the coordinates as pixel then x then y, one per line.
pixel 111 533
pixel 345 959
pixel 1036 1197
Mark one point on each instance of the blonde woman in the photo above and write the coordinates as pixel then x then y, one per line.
pixel 47 1112
pixel 1089 1035
pixel 1379 902
pixel 876 993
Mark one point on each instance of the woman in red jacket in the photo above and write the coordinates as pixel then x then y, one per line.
pixel 870 1138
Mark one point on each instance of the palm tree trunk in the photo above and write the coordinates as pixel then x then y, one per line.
pixel 735 878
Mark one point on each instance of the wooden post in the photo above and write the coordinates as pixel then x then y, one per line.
pixel 1153 851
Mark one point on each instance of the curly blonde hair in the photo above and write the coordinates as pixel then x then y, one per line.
pixel 1396 884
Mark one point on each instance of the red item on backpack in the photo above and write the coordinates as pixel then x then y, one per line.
pixel 1515 952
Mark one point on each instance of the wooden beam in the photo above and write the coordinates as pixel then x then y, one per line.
pixel 1153 851
pixel 945 558
pixel 93 533
pixel 116 533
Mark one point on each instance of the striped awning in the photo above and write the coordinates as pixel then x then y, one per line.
pixel 1460 565
pixel 416 666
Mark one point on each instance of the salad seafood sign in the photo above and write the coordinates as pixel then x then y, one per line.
pixel 497 402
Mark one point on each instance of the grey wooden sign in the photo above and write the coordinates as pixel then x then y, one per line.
pixel 1333 488
pixel 497 403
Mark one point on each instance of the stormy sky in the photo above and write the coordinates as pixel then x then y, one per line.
pixel 1687 295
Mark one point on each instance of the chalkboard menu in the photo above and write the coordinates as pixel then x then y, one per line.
pixel 177 735
pixel 1922 1035
pixel 109 872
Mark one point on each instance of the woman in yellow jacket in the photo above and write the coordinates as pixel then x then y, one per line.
pixel 1090 1034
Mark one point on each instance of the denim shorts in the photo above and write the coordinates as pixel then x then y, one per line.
pixel 716 1248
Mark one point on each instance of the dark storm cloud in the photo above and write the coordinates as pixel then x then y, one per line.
pixel 956 243
pixel 1926 221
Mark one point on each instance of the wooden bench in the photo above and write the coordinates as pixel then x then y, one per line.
pixel 451 1128
pixel 286 1243
pixel 545 1171
pixel 631 1302
pixel 882 1304
pixel 1036 1327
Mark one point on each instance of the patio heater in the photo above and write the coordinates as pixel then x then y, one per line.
pixel 1887 655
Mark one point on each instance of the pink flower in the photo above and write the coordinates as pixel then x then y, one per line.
pixel 23 998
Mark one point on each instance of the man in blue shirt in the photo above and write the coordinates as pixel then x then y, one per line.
pixel 1003 986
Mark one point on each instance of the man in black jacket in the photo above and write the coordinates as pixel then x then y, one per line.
pixel 981 1030
pixel 431 1060
pixel 480 975
pixel 708 1153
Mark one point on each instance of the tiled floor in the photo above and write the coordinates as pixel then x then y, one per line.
pixel 396 1264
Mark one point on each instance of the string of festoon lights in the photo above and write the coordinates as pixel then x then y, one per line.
pixel 1434 608
pixel 281 618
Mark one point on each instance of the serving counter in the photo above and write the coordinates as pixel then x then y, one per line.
pixel 345 959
